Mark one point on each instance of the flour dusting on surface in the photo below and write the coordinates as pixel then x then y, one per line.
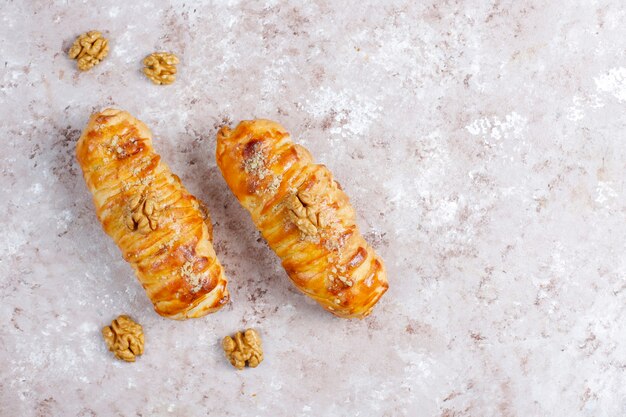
pixel 581 104
pixel 352 113
pixel 512 126
pixel 613 82
pixel 605 193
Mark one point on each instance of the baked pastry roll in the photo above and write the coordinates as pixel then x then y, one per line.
pixel 304 215
pixel 163 231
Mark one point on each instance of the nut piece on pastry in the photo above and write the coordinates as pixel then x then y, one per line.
pixel 163 231
pixel 304 215
pixel 243 349
pixel 141 214
pixel 124 338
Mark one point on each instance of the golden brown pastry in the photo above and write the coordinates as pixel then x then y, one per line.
pixel 304 215
pixel 163 231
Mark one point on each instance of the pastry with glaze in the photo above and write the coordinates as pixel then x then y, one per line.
pixel 163 231
pixel 304 215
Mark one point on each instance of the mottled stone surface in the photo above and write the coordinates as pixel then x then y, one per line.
pixel 482 143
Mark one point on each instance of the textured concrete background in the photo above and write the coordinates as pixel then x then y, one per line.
pixel 483 145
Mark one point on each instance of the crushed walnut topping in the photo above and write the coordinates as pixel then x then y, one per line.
pixel 243 349
pixel 274 184
pixel 89 49
pixel 160 67
pixel 338 272
pixel 255 163
pixel 142 214
pixel 194 279
pixel 124 338
pixel 121 148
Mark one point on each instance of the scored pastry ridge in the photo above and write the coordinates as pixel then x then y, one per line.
pixel 304 215
pixel 163 231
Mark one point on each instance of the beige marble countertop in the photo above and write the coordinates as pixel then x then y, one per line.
pixel 483 144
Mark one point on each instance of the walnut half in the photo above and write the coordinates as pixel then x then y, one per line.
pixel 89 49
pixel 160 67
pixel 142 214
pixel 302 212
pixel 244 348
pixel 124 338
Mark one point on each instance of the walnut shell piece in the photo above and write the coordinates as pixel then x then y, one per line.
pixel 89 49
pixel 160 67
pixel 124 338
pixel 243 349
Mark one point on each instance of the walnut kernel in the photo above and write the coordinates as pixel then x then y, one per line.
pixel 161 67
pixel 124 338
pixel 303 214
pixel 142 214
pixel 243 348
pixel 89 49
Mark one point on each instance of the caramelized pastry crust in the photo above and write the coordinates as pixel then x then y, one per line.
pixel 304 215
pixel 163 231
